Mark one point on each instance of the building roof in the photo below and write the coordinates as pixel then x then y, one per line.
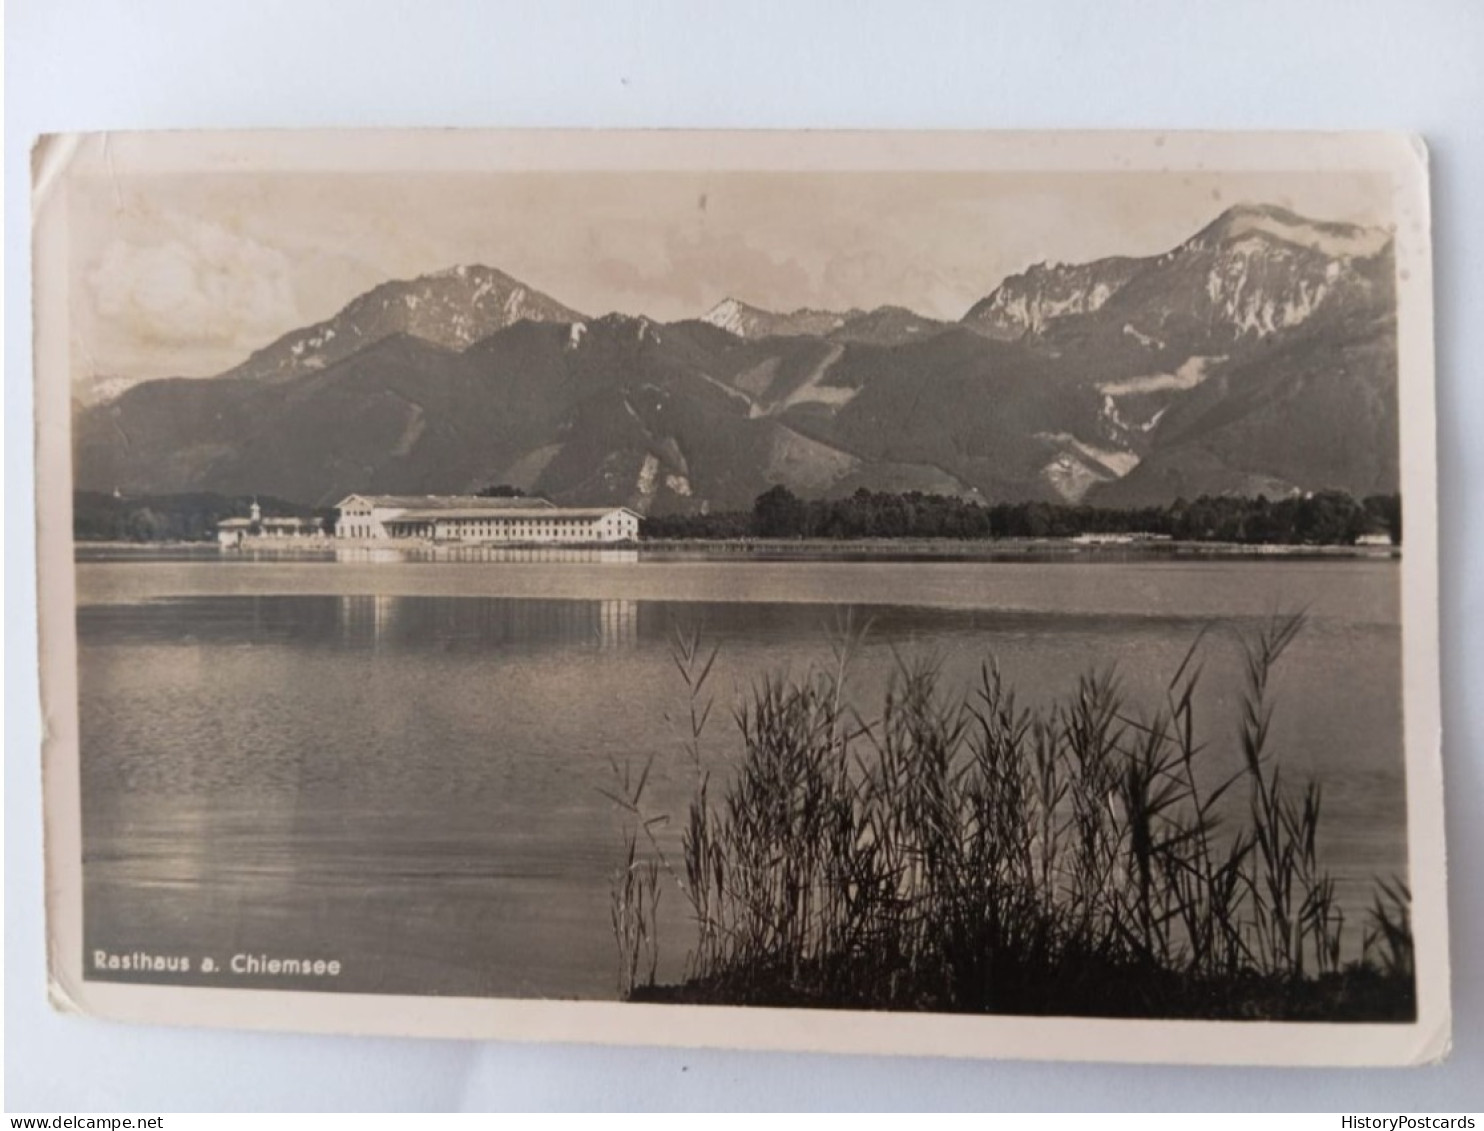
pixel 266 520
pixel 428 514
pixel 447 502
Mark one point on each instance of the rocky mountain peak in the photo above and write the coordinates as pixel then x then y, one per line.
pixel 452 308
pixel 1270 222
pixel 1255 269
pixel 1028 303
pixel 751 322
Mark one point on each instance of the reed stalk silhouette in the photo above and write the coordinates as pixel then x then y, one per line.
pixel 967 853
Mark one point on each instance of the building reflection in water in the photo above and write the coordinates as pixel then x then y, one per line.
pixel 495 555
pixel 618 624
pixel 363 554
pixel 481 623
pixel 367 618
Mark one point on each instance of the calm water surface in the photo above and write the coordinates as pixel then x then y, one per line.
pixel 399 763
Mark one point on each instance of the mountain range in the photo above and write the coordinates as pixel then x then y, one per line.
pixel 1258 356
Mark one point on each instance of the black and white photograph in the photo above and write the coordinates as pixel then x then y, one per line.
pixel 962 593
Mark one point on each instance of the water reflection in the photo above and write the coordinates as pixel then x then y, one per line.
pixel 497 555
pixel 369 554
pixel 354 621
pixel 618 624
pixel 366 616
pixel 450 624
pixel 457 624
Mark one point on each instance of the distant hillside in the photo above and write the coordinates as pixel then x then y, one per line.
pixel 190 517
pixel 1259 356
pixel 888 326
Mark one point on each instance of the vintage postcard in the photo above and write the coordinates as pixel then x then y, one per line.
pixel 934 594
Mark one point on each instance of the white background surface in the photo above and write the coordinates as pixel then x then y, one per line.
pixel 132 64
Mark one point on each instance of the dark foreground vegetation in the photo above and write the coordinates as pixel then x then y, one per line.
pixel 98 517
pixel 1323 518
pixel 979 856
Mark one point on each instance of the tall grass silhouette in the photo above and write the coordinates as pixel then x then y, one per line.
pixel 970 854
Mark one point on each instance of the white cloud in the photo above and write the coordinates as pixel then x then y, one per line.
pixel 199 284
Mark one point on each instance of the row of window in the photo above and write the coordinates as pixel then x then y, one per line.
pixel 550 528
pixel 534 529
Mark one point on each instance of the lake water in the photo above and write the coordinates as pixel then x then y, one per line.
pixel 398 764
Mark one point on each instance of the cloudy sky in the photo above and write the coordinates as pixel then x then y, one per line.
pixel 186 275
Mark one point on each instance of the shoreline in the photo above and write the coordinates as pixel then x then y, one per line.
pixel 927 548
pixel 969 548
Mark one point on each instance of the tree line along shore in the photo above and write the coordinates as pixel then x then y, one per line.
pixel 1324 518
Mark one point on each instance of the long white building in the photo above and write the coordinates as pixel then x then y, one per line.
pixel 475 518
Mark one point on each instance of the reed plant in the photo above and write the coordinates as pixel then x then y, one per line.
pixel 970 853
